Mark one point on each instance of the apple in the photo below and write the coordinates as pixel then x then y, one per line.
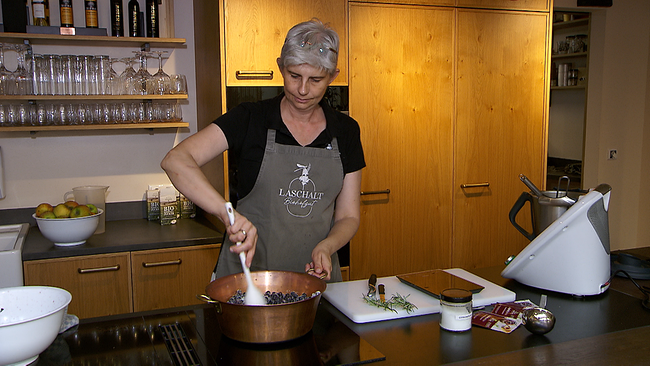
pixel 80 211
pixel 93 209
pixel 48 215
pixel 71 204
pixel 61 211
pixel 43 208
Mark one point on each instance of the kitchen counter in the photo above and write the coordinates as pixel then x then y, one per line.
pixel 581 322
pixel 124 236
pixel 611 328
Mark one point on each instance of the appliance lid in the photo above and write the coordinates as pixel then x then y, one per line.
pixel 12 237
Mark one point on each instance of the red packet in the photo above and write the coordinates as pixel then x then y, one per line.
pixel 494 321
pixel 512 309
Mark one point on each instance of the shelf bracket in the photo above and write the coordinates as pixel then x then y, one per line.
pixel 145 47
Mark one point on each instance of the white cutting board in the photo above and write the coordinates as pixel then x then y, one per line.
pixel 348 297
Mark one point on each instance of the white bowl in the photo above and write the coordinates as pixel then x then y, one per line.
pixel 30 320
pixel 68 231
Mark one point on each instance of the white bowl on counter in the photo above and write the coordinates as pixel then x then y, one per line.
pixel 30 319
pixel 68 231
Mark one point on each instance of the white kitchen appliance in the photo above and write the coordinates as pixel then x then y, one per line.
pixel 572 254
pixel 12 238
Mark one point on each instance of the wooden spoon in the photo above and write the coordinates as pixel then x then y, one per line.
pixel 253 294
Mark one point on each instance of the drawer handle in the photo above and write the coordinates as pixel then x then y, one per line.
pixel 474 185
pixel 254 75
pixel 368 193
pixel 100 269
pixel 158 264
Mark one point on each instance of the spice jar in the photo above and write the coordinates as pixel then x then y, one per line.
pixel 456 310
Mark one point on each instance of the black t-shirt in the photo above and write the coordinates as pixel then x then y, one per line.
pixel 246 125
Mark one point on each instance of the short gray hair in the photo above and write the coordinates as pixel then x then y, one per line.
pixel 313 43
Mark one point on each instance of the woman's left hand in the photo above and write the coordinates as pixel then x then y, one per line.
pixel 321 263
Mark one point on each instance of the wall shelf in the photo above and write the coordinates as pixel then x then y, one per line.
pixel 103 41
pixel 568 55
pixel 571 23
pixel 94 127
pixel 573 87
pixel 92 97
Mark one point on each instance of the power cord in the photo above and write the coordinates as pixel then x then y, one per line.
pixel 645 290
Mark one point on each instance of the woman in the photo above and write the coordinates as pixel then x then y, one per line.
pixel 298 166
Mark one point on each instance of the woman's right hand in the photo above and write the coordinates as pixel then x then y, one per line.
pixel 242 231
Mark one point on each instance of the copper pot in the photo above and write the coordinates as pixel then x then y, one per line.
pixel 265 323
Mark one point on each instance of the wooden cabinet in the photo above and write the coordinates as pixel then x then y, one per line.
pixel 100 284
pixel 402 95
pixel 500 128
pixel 410 2
pixel 446 98
pixel 166 278
pixel 253 33
pixel 119 283
pixel 537 5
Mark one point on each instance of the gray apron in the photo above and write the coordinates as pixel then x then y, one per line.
pixel 292 207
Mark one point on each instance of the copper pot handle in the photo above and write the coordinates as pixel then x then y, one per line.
pixel 209 300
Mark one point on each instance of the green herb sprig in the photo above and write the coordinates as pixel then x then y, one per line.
pixel 395 301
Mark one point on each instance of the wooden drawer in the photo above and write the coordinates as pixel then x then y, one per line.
pixel 100 284
pixel 165 278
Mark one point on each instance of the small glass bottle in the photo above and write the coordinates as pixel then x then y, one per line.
pixel 91 13
pixel 456 310
pixel 41 13
pixel 67 17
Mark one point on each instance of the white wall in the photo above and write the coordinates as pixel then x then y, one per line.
pixel 618 116
pixel 43 167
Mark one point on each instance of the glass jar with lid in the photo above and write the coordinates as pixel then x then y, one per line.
pixel 581 43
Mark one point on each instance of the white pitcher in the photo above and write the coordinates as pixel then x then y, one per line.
pixel 95 195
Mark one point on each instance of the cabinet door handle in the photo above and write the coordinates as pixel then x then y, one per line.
pixel 100 269
pixel 254 74
pixel 158 264
pixel 367 193
pixel 475 185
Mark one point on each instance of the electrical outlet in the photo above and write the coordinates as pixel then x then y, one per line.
pixel 613 153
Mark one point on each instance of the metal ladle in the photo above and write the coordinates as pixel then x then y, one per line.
pixel 253 294
pixel 531 186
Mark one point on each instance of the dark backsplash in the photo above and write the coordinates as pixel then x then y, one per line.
pixel 114 211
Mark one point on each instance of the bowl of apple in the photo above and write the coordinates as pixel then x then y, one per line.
pixel 68 223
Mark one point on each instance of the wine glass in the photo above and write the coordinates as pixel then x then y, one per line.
pixel 113 81
pixel 126 75
pixel 6 76
pixel 22 78
pixel 142 77
pixel 160 82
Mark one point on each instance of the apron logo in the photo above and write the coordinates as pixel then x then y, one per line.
pixel 301 195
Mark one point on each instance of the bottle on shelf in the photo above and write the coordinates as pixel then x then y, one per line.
pixel 91 13
pixel 117 18
pixel 67 18
pixel 135 27
pixel 41 13
pixel 153 27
